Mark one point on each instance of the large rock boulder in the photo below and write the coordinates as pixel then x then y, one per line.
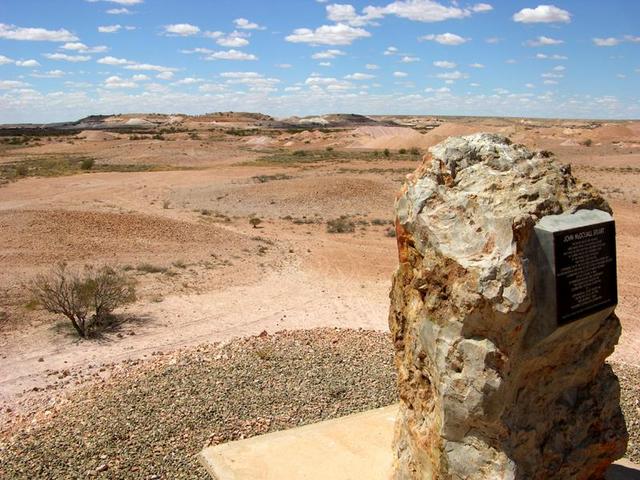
pixel 485 392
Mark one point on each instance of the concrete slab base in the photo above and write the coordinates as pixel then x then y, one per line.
pixel 356 447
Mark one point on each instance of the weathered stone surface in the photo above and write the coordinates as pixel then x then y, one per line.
pixel 487 390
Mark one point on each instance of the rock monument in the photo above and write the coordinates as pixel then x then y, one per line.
pixel 502 318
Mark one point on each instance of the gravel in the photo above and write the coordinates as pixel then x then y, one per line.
pixel 150 419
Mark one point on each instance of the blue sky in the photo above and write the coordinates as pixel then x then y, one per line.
pixel 64 59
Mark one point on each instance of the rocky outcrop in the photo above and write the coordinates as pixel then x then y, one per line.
pixel 485 394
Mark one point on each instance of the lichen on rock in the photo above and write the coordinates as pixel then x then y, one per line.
pixel 485 392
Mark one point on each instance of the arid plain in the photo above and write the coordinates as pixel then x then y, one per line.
pixel 168 199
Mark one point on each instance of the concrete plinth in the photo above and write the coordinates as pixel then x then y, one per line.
pixel 356 447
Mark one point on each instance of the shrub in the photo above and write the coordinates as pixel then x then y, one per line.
pixel 87 164
pixel 386 152
pixel 588 142
pixel 86 298
pixel 341 225
pixel 150 268
pixel 402 151
pixel 255 221
pixel 22 170
pixel 414 151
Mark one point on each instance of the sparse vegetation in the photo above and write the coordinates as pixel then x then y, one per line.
pixel 87 163
pixel 255 221
pixel 402 151
pixel 386 152
pixel 269 178
pixel 343 224
pixel 587 143
pixel 150 268
pixel 86 298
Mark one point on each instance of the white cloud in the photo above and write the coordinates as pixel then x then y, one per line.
pixel 543 41
pixel 82 48
pixel 284 65
pixel 27 63
pixel 324 64
pixel 330 83
pixel 359 76
pixel 390 51
pixel 400 74
pixel 544 56
pixel 371 66
pixel 67 58
pixel 444 64
pixel 11 84
pixel 632 38
pixel 455 75
pixel 109 60
pixel 166 75
pixel 474 84
pixel 481 7
pixel 437 90
pixel 119 11
pixel 339 34
pixel 559 68
pixel 181 30
pixel 493 40
pixel 445 38
pixel 409 59
pixel 606 42
pixel 212 88
pixel 11 32
pixel 140 77
pixel 529 85
pixel 49 74
pixel 424 10
pixel 476 65
pixel 109 28
pixel 552 75
pixel 550 82
pixel 231 55
pixel 120 2
pixel 5 60
pixel 331 53
pixel 245 24
pixel 189 81
pixel 542 14
pixel 117 82
pixel 216 34
pixel 149 67
pixel 234 39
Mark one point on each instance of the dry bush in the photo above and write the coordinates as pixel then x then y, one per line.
pixel 85 297
pixel 341 225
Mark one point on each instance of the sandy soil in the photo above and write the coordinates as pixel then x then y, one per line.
pixel 220 277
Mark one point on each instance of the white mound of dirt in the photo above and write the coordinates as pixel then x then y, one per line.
pixel 139 122
pixel 569 142
pixel 97 136
pixel 260 141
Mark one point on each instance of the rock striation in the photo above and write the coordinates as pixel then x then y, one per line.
pixel 486 392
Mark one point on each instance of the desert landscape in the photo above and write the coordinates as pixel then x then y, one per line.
pixel 259 246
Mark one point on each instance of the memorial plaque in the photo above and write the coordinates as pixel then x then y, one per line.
pixel 585 271
pixel 577 265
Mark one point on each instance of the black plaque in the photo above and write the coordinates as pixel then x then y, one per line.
pixel 585 270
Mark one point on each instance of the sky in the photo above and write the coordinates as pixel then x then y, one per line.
pixel 62 60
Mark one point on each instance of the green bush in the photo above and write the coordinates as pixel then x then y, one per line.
pixel 341 225
pixel 86 298
pixel 87 164
pixel 386 152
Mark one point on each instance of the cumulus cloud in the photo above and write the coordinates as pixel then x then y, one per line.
pixel 11 84
pixel 390 51
pixel 543 41
pixel 109 60
pixel 67 58
pixel 400 74
pixel 119 11
pixel 49 74
pixel 371 66
pixel 544 56
pixel 5 60
pixel 444 64
pixel 359 76
pixel 117 82
pixel 245 24
pixel 27 63
pixel 455 75
pixel 542 14
pixel 82 48
pixel 606 42
pixel 189 81
pixel 181 30
pixel 427 11
pixel 476 65
pixel 231 55
pixel 409 59
pixel 149 67
pixel 11 32
pixel 109 28
pixel 445 38
pixel 165 75
pixel 325 54
pixel 233 40
pixel 339 34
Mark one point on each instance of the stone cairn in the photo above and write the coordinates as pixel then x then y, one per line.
pixel 489 387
